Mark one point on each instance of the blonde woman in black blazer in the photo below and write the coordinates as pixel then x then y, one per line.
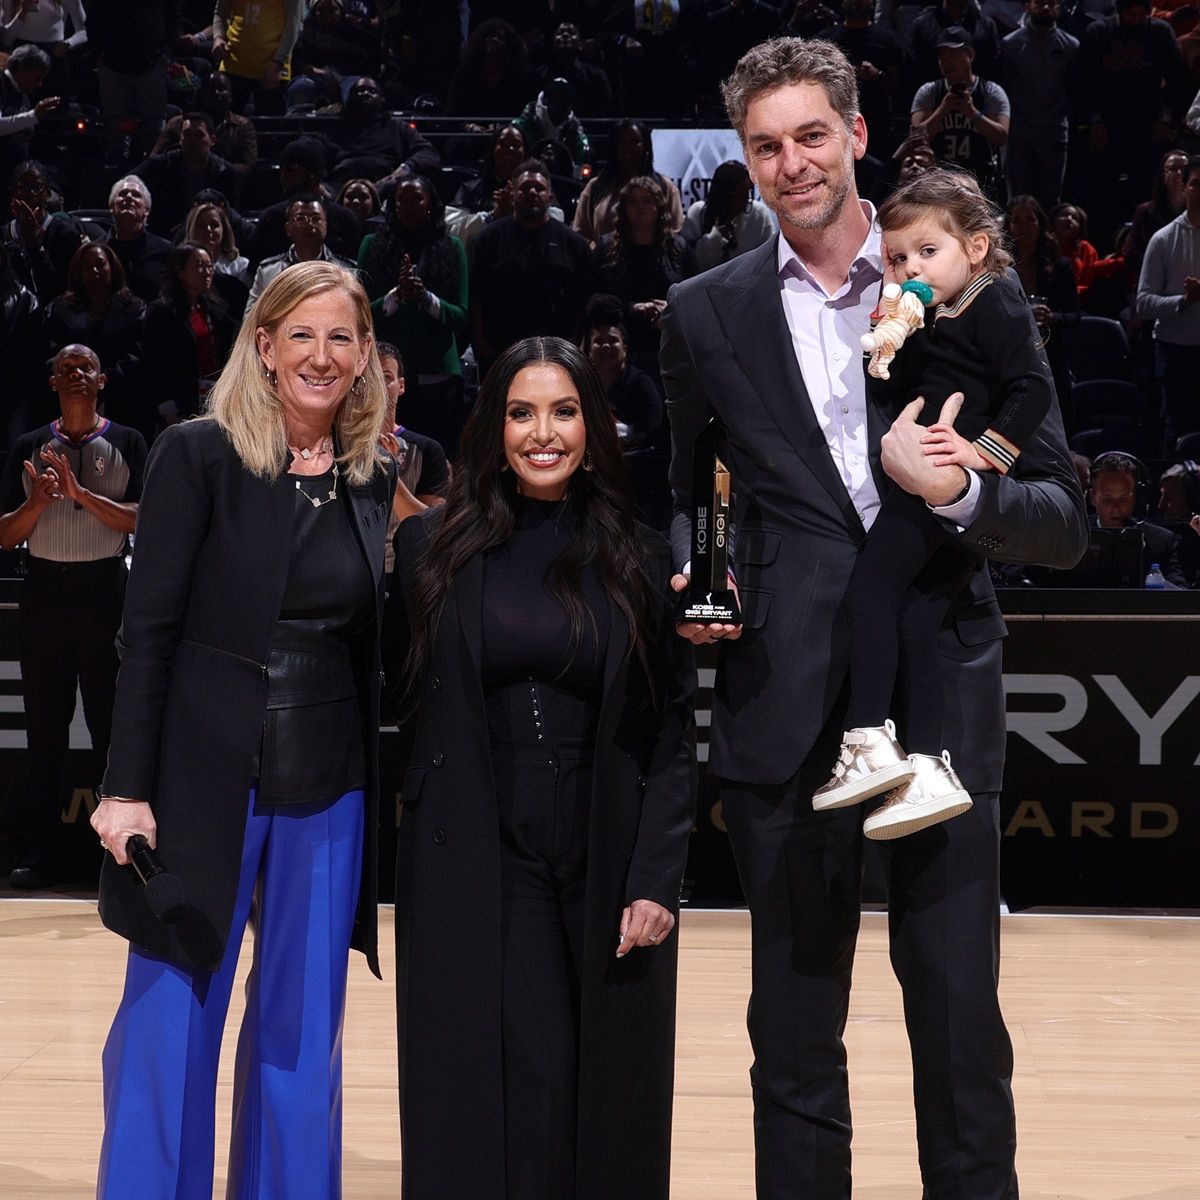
pixel 244 747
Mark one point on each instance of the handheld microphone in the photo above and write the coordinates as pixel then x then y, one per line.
pixel 164 893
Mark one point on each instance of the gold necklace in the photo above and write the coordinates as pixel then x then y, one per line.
pixel 318 501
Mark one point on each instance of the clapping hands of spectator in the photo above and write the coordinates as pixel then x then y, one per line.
pixel 409 288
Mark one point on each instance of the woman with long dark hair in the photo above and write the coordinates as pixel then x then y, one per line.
pixel 416 276
pixel 507 151
pixel 495 78
pixel 189 334
pixel 727 222
pixel 1164 205
pixel 1048 279
pixel 640 260
pixel 630 153
pixel 99 311
pixel 547 805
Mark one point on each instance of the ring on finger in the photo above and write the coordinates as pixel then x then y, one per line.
pixel 654 937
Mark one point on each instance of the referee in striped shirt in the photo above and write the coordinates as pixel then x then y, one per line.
pixel 69 492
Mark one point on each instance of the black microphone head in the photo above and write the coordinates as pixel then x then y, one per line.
pixel 166 898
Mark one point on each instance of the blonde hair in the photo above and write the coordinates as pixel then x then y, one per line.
pixel 956 201
pixel 245 402
pixel 229 250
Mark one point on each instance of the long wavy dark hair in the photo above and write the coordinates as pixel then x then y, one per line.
pixel 718 204
pixel 1046 253
pixel 479 514
pixel 172 289
pixel 665 241
pixel 428 246
pixel 608 178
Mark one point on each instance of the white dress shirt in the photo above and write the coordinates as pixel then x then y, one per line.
pixel 826 337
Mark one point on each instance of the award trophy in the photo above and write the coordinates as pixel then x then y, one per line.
pixel 708 599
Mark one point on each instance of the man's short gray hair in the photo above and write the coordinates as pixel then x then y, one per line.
pixel 134 181
pixel 29 58
pixel 783 61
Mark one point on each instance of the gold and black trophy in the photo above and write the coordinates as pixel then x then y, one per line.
pixel 708 599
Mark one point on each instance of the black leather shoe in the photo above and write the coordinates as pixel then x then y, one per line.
pixel 31 878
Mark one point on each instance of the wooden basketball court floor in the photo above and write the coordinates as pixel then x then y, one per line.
pixel 1104 1012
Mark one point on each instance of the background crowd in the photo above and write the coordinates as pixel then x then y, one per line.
pixel 489 168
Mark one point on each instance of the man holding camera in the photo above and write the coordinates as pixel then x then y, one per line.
pixel 964 117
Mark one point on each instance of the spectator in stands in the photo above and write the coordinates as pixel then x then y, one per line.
pixel 727 222
pixel 1068 223
pixel 70 491
pixel 234 136
pixel 306 228
pixel 1038 74
pixel 361 197
pixel 132 41
pixel 589 84
pixel 416 276
pixel 878 61
pixel 142 254
pixel 494 78
pixel 331 52
pixel 551 117
pixel 301 174
pixel 20 319
pixel 189 333
pixel 424 475
pixel 377 145
pixel 630 153
pixel 649 47
pixel 1169 294
pixel 965 117
pixel 209 225
pixel 99 311
pixel 23 75
pixel 1164 205
pixel 174 178
pixel 636 403
pixel 1134 91
pixel 530 274
pixel 806 18
pixel 39 244
pixel 45 25
pixel 1048 280
pixel 490 197
pixel 723 34
pixel 924 55
pixel 492 191
pixel 640 261
pixel 252 43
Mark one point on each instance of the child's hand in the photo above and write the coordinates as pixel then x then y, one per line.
pixel 948 448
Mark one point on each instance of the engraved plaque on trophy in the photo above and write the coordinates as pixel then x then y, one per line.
pixel 709 599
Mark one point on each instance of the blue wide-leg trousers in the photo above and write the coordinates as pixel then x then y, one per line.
pixel 299 885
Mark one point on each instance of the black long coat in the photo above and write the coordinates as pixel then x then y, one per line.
pixel 448 912
pixel 209 569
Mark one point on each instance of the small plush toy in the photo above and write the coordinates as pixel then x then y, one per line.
pixel 903 313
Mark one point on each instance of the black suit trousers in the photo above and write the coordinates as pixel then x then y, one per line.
pixel 801 871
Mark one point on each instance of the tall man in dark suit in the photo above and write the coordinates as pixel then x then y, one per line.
pixel 769 344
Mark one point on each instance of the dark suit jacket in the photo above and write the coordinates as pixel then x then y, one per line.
pixel 209 570
pixel 448 933
pixel 727 351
